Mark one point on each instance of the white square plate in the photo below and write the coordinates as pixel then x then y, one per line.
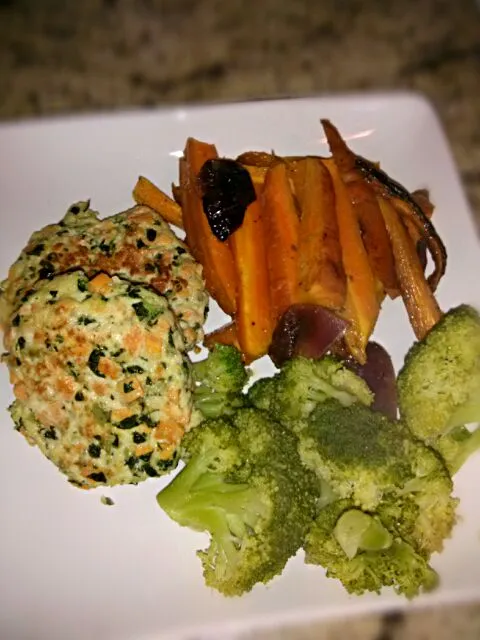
pixel 73 568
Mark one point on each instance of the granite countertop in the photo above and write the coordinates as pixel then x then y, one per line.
pixel 62 56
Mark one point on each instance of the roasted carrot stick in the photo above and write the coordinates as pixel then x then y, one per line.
pixel 374 234
pixel 320 268
pixel 145 192
pixel 372 226
pixel 254 314
pixel 362 304
pixel 216 257
pixel 281 230
pixel 257 174
pixel 422 307
pixel 226 334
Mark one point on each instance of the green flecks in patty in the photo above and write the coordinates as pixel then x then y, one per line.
pixel 107 248
pixel 50 433
pixel 94 361
pixel 128 423
pixel 141 310
pixel 98 476
pixel 94 450
pixel 85 320
pixel 37 250
pixel 82 284
pixel 47 271
pixel 133 368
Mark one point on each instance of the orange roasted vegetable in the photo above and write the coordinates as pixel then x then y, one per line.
pixel 226 334
pixel 254 314
pixel 362 303
pixel 215 256
pixel 320 269
pixel 363 198
pixel 145 192
pixel 422 307
pixel 281 231
pixel 374 234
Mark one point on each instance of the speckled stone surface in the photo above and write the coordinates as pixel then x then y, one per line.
pixel 62 56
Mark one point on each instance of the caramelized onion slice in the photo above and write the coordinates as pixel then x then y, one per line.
pixel 307 330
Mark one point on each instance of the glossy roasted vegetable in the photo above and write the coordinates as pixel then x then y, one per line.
pixel 307 330
pixel 215 256
pixel 362 302
pixel 254 318
pixel 281 229
pixel 320 268
pixel 421 305
pixel 227 191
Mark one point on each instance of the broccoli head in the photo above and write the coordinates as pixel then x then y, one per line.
pixel 357 549
pixel 358 452
pixel 262 393
pixel 424 513
pixel 219 381
pixel 244 483
pixel 303 383
pixel 439 386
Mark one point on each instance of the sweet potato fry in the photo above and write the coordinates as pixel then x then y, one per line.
pixel 254 315
pixel 320 268
pixel 374 234
pixel 216 257
pixel 145 192
pixel 362 304
pixel 281 229
pixel 422 307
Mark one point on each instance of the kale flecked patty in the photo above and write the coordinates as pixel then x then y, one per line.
pixel 136 245
pixel 101 379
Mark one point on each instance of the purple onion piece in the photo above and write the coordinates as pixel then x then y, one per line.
pixel 379 374
pixel 307 330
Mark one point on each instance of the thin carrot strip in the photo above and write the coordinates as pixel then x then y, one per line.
pixel 215 256
pixel 422 307
pixel 145 192
pixel 281 229
pixel 320 269
pixel 254 313
pixel 362 304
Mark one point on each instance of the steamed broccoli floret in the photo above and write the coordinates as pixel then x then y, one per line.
pixel 359 452
pixel 243 483
pixel 219 381
pixel 424 513
pixel 355 548
pixel 303 383
pixel 262 393
pixel 439 386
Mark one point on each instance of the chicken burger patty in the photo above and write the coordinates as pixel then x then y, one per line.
pixel 135 244
pixel 101 379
